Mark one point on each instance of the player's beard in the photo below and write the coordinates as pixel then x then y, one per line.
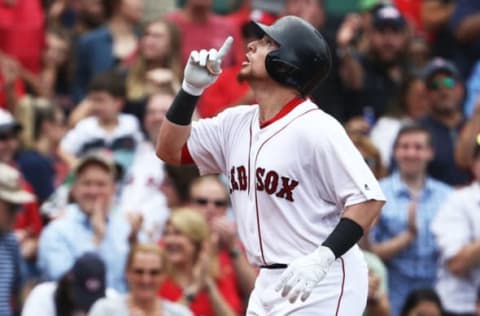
pixel 244 75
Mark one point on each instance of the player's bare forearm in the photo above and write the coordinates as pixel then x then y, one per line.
pixel 170 141
pixel 365 213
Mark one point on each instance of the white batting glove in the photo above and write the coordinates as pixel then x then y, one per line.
pixel 203 68
pixel 304 273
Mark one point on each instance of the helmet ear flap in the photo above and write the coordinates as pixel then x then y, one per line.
pixel 281 70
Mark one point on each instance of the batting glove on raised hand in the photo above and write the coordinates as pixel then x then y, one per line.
pixel 304 273
pixel 203 68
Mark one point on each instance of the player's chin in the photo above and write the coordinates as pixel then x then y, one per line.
pixel 245 74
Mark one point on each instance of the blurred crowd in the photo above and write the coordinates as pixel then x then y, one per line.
pixel 93 223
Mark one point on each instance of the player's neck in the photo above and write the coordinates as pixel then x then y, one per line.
pixel 271 102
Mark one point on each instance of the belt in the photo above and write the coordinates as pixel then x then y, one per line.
pixel 274 266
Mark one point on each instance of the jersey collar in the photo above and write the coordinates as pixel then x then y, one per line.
pixel 287 108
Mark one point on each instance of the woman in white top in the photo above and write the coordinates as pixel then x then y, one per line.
pixel 144 272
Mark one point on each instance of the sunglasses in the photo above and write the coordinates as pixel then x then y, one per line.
pixel 152 272
pixel 14 208
pixel 205 201
pixel 447 82
pixel 6 136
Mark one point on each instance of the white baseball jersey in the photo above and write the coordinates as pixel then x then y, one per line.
pixel 141 192
pixel 290 178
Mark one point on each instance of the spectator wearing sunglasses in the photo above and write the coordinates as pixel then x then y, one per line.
pixel 445 121
pixel 209 196
pixel 145 271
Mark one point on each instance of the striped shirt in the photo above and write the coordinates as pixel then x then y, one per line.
pixel 10 279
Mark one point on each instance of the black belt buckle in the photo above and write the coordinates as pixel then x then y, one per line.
pixel 274 266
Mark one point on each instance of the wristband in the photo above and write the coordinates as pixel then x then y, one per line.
pixel 181 110
pixel 346 234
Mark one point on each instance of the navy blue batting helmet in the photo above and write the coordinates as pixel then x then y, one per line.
pixel 303 58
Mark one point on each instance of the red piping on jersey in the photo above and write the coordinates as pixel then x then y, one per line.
pixel 256 199
pixel 186 158
pixel 283 111
pixel 343 284
pixel 249 151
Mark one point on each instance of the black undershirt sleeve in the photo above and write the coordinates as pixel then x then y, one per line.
pixel 181 110
pixel 345 235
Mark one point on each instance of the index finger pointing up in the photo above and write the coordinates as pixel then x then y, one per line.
pixel 225 48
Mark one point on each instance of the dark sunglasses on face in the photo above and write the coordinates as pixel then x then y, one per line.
pixel 205 201
pixel 6 136
pixel 14 208
pixel 152 272
pixel 447 82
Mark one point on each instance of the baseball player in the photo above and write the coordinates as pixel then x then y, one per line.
pixel 301 192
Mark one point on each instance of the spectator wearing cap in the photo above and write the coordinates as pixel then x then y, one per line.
pixel 373 78
pixel 445 94
pixel 457 231
pixel 74 293
pixel 28 223
pixel 89 224
pixel 12 196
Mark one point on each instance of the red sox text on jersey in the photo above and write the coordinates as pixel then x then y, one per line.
pixel 269 181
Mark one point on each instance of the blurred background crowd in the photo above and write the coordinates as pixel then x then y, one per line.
pixel 93 223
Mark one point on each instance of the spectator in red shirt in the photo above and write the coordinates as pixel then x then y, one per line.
pixel 209 196
pixel 193 273
pixel 21 31
pixel 11 86
pixel 200 28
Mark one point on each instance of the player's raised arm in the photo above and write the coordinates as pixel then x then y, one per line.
pixel 202 69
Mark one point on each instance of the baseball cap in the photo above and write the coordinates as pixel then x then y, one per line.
pixel 388 16
pixel 439 65
pixel 367 5
pixel 8 123
pixel 10 186
pixel 101 157
pixel 89 280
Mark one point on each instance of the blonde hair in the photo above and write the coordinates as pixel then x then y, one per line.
pixel 144 248
pixel 193 225
pixel 31 112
